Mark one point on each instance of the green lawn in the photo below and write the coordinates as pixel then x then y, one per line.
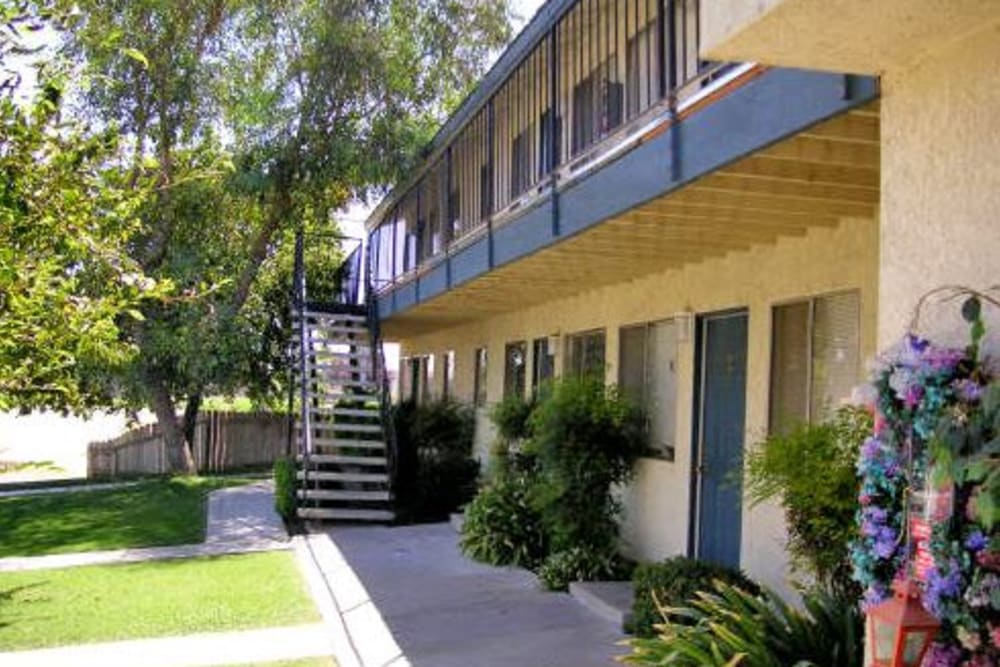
pixel 111 602
pixel 155 512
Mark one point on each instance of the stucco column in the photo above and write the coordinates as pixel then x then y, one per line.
pixel 940 212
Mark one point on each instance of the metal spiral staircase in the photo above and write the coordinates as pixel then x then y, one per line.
pixel 342 430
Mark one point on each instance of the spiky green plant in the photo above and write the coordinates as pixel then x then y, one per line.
pixel 729 626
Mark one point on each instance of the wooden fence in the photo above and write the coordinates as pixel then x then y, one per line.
pixel 222 441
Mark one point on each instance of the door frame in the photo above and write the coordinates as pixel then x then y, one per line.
pixel 698 415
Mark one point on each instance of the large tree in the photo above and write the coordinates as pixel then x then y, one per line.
pixel 261 116
pixel 68 284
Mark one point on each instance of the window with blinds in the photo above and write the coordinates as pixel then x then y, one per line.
pixel 648 376
pixel 515 369
pixel 815 358
pixel 543 366
pixel 448 374
pixel 585 354
pixel 479 390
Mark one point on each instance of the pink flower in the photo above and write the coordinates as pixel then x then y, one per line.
pixel 995 636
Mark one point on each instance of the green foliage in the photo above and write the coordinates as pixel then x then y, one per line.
pixel 501 526
pixel 510 416
pixel 549 504
pixel 229 125
pixel 810 470
pixel 285 486
pixel 729 626
pixel 672 583
pixel 68 288
pixel 435 471
pixel 586 438
pixel 561 568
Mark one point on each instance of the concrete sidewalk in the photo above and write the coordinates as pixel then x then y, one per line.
pixel 241 519
pixel 215 648
pixel 407 596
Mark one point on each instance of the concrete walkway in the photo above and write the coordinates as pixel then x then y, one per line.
pixel 65 488
pixel 241 519
pixel 216 648
pixel 407 596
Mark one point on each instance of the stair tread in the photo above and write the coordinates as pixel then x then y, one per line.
pixel 343 494
pixel 348 428
pixel 345 458
pixel 338 443
pixel 326 476
pixel 345 513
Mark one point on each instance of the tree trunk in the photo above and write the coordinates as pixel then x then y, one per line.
pixel 191 411
pixel 179 458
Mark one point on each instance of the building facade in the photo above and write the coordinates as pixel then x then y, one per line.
pixel 725 207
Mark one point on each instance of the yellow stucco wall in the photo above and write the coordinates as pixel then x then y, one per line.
pixel 940 182
pixel 825 260
pixel 857 36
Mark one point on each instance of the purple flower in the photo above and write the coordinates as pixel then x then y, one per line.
pixel 967 390
pixel 941 586
pixel 870 449
pixel 940 359
pixel 976 541
pixel 914 394
pixel 940 655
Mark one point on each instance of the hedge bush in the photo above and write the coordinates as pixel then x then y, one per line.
pixel 285 485
pixel 562 568
pixel 501 527
pixel 811 471
pixel 586 438
pixel 672 583
pixel 435 471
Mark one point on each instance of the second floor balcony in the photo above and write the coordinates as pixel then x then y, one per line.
pixel 597 107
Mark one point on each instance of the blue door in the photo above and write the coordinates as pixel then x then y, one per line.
pixel 718 446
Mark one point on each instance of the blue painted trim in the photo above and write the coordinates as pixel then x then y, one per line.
pixel 434 282
pixel 524 235
pixel 470 262
pixel 763 111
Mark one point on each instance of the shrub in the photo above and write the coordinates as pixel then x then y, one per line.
pixel 811 471
pixel 562 568
pixel 501 527
pixel 586 437
pixel 435 471
pixel 672 583
pixel 285 485
pixel 510 416
pixel 730 626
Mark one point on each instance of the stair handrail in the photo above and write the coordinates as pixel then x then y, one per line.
pixel 300 302
pixel 381 373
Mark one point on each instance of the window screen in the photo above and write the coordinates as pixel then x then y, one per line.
pixel 585 354
pixel 544 364
pixel 479 393
pixel 515 368
pixel 815 360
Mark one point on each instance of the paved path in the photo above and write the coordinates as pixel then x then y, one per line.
pixel 241 519
pixel 216 648
pixel 406 596
pixel 65 488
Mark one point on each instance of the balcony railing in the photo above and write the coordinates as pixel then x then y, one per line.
pixel 602 75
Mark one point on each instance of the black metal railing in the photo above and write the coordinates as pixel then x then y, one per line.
pixel 598 74
pixel 380 372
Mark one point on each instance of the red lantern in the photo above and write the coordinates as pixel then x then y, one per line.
pixel 900 630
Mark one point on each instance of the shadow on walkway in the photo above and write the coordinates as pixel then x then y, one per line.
pixel 444 610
